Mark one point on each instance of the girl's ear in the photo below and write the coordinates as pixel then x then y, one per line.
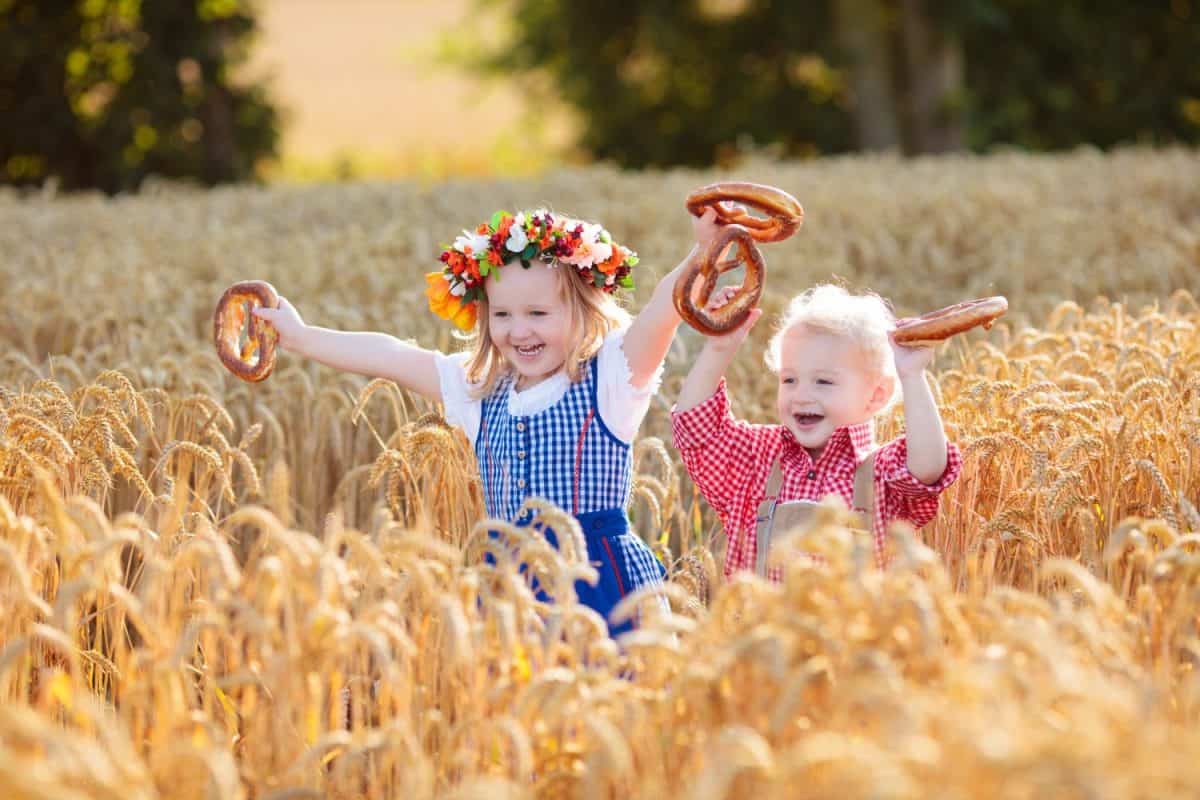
pixel 884 387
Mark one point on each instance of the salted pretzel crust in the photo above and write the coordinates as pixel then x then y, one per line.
pixel 936 326
pixel 784 213
pixel 695 286
pixel 254 359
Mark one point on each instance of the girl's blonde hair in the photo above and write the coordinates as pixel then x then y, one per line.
pixel 591 315
pixel 866 319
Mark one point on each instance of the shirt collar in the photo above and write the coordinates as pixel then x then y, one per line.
pixel 860 438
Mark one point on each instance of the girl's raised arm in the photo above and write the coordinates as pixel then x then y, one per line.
pixel 649 337
pixel 375 355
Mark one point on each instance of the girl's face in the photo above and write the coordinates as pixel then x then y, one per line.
pixel 529 321
pixel 825 382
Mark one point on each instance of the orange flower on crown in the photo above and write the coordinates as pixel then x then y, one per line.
pixel 446 305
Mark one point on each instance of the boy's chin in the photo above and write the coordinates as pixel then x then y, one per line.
pixel 809 439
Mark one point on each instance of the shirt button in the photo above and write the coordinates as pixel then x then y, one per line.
pixel 520 426
pixel 521 454
pixel 521 483
pixel 812 474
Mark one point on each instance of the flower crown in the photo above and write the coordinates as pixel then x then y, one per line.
pixel 539 235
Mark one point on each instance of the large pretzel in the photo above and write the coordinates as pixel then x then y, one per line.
pixel 252 358
pixel 695 286
pixel 946 322
pixel 784 214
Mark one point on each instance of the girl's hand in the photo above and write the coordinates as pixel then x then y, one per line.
pixel 910 360
pixel 705 227
pixel 285 320
pixel 732 340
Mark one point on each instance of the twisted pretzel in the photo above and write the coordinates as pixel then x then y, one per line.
pixel 252 358
pixel 741 230
pixel 695 286
pixel 784 214
pixel 946 322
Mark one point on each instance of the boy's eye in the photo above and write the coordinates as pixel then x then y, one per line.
pixel 788 381
pixel 824 382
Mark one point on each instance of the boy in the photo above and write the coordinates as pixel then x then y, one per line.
pixel 838 368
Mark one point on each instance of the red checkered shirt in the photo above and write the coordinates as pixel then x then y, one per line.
pixel 729 460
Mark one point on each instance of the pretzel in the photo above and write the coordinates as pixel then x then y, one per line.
pixel 784 214
pixel 691 301
pixel 254 358
pixel 946 322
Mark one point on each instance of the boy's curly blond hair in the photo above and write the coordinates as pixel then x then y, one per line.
pixel 864 318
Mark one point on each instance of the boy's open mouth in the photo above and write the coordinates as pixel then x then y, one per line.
pixel 805 420
pixel 530 350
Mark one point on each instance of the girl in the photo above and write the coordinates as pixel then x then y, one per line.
pixel 555 383
pixel 838 368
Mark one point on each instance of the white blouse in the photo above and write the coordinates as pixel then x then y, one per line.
pixel 622 406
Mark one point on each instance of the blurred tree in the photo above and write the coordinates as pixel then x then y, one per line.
pixel 1103 72
pixel 678 81
pixel 102 93
pixel 688 81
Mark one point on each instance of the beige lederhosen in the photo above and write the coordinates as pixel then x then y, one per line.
pixel 774 516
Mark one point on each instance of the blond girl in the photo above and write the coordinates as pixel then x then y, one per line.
pixel 555 383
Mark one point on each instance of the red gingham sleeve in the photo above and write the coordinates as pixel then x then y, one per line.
pixel 907 498
pixel 720 453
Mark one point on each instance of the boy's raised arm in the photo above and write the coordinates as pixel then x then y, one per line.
pixel 705 375
pixel 924 433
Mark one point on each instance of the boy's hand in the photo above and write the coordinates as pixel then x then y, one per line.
pixel 910 360
pixel 285 319
pixel 732 340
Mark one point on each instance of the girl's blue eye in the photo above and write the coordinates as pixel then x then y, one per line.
pixel 499 313
pixel 538 313
pixel 789 381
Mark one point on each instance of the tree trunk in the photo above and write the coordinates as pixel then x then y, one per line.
pixel 933 71
pixel 862 31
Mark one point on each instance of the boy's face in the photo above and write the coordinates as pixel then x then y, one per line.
pixel 826 382
pixel 528 320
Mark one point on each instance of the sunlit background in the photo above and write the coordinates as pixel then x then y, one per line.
pixel 367 90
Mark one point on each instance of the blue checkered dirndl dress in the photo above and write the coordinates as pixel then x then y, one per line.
pixel 566 454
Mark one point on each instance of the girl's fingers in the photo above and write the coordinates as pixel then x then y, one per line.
pixel 271 313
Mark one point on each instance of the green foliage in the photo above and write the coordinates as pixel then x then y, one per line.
pixel 667 82
pixel 663 82
pixel 102 93
pixel 1103 72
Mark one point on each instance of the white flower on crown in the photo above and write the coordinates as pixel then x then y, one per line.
pixel 458 288
pixel 517 240
pixel 478 242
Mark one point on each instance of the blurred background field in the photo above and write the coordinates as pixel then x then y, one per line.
pixel 367 95
pixel 223 590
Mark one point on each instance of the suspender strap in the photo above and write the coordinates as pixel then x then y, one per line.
pixel 774 481
pixel 862 502
pixel 864 488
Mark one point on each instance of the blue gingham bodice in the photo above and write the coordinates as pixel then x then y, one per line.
pixel 564 454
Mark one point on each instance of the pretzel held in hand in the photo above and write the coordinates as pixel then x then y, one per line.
pixel 695 286
pixel 254 358
pixel 937 325
pixel 784 214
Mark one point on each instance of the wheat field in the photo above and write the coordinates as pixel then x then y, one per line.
pixel 222 590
